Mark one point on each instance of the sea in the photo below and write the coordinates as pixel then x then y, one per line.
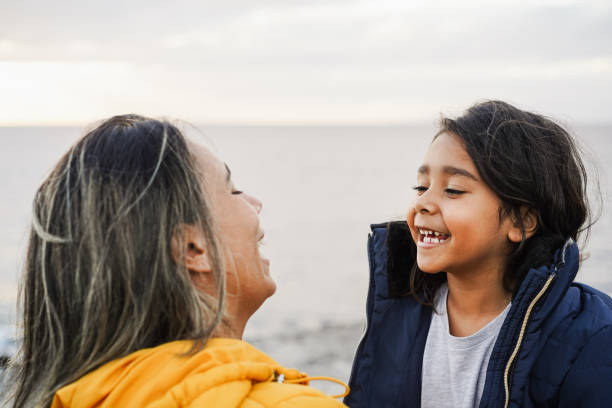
pixel 321 188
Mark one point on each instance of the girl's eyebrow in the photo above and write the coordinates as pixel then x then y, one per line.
pixel 449 170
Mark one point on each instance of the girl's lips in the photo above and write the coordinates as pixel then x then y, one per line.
pixel 427 231
pixel 429 245
pixel 431 239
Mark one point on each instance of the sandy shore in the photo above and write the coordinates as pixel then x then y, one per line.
pixel 328 351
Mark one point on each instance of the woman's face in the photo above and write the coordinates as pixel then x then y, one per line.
pixel 236 216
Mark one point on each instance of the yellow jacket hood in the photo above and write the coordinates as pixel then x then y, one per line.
pixel 226 373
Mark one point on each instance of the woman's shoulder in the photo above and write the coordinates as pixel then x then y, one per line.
pixel 225 372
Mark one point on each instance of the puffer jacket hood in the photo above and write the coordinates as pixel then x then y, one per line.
pixel 226 373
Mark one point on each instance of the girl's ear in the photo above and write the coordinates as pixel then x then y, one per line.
pixel 188 248
pixel 530 225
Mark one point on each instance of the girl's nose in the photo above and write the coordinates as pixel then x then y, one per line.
pixel 424 205
pixel 254 201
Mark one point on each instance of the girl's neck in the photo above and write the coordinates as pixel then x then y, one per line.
pixel 472 303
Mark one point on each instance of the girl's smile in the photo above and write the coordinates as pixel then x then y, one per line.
pixel 431 239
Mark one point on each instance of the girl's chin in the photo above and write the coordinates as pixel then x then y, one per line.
pixel 428 269
pixel 432 272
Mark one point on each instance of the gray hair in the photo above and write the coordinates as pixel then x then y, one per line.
pixel 100 280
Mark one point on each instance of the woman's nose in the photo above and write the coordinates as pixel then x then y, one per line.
pixel 254 201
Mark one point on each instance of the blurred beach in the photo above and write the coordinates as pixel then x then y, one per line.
pixel 321 188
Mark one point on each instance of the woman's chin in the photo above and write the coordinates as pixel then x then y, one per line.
pixel 270 283
pixel 272 287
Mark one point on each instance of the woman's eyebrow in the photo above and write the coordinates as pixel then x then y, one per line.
pixel 449 170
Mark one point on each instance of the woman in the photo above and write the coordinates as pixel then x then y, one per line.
pixel 142 270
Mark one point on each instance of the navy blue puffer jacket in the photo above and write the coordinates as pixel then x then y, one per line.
pixel 554 349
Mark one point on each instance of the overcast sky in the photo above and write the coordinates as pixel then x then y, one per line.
pixel 311 61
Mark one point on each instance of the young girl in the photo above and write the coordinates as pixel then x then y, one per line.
pixel 488 315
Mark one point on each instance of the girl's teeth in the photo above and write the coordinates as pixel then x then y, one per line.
pixel 428 232
pixel 431 240
pixel 432 237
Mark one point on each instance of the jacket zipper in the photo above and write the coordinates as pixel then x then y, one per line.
pixel 520 339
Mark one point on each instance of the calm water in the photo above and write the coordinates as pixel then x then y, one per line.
pixel 321 188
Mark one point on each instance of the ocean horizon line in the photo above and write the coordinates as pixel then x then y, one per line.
pixel 272 124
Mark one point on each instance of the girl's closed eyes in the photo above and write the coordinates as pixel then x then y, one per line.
pixel 449 191
pixel 452 191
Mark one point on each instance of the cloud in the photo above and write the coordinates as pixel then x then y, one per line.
pixel 316 31
pixel 282 60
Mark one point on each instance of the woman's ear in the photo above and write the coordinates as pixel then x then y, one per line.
pixel 189 248
pixel 530 225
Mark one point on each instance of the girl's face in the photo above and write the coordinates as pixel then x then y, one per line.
pixel 455 218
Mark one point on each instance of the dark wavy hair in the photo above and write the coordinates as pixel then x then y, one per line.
pixel 531 163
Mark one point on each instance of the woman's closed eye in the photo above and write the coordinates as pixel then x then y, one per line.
pixel 237 192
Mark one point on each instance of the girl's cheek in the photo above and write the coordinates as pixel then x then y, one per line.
pixel 410 220
pixel 410 215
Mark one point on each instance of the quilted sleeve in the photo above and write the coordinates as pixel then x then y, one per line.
pixel 589 381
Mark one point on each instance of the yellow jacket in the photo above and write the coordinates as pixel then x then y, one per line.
pixel 226 373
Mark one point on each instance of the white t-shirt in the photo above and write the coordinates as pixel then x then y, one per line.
pixel 455 368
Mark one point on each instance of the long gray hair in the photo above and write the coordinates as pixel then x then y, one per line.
pixel 100 280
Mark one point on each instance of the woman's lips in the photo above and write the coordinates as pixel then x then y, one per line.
pixel 260 238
